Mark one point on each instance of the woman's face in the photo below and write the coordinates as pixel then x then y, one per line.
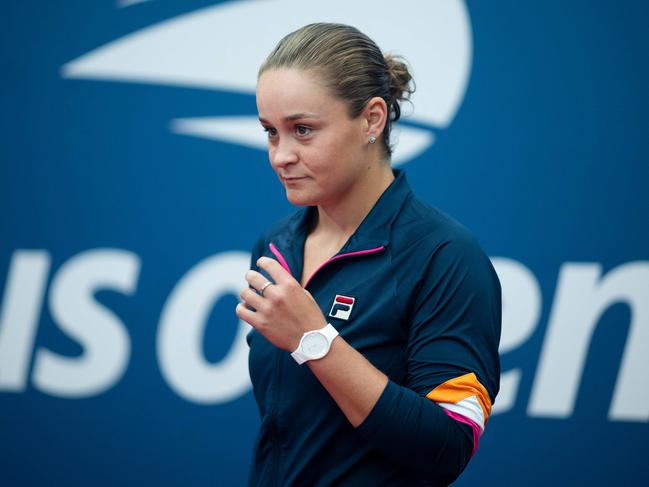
pixel 317 151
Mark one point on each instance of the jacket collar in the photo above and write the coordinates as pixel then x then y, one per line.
pixel 374 231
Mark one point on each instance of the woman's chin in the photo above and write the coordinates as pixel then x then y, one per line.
pixel 299 198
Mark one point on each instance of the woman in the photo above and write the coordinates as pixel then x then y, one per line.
pixel 376 318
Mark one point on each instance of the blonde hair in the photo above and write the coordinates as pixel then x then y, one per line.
pixel 351 65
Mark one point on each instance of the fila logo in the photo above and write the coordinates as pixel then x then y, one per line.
pixel 342 307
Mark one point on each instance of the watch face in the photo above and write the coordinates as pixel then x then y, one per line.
pixel 314 345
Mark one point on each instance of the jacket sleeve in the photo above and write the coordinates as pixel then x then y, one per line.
pixel 430 424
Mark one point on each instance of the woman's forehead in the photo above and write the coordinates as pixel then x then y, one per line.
pixel 288 92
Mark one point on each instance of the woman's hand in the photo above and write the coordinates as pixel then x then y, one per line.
pixel 284 312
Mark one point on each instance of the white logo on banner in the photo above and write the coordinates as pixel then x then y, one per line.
pixel 128 3
pixel 222 46
pixel 583 293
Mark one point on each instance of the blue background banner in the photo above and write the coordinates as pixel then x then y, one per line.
pixel 134 181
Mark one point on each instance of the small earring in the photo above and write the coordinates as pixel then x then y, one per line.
pixel 371 139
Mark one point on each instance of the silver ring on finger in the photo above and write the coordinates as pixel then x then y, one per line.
pixel 263 288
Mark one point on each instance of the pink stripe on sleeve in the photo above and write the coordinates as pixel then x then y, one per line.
pixel 280 257
pixel 474 427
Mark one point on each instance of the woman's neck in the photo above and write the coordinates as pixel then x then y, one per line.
pixel 340 219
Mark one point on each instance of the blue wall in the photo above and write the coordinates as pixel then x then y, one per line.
pixel 115 221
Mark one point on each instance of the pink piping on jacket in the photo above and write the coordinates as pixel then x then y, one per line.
pixel 476 429
pixel 284 264
pixel 340 256
pixel 280 258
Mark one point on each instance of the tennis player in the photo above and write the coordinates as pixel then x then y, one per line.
pixel 376 317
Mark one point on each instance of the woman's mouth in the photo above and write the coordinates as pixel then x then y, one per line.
pixel 292 179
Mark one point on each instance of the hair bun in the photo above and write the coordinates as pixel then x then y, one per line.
pixel 402 84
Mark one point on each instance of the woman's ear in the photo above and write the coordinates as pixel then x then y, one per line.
pixel 376 116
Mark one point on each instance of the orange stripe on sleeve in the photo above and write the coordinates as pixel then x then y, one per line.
pixel 460 388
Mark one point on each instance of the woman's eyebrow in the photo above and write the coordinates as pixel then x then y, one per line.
pixel 295 116
pixel 301 115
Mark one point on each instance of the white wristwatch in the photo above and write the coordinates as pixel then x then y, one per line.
pixel 315 344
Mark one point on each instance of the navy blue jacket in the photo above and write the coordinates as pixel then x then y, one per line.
pixel 414 293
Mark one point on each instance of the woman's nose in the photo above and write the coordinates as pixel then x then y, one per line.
pixel 282 154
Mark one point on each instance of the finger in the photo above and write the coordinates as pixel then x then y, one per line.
pixel 276 271
pixel 246 315
pixel 256 279
pixel 251 298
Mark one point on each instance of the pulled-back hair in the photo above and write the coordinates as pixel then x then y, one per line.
pixel 351 65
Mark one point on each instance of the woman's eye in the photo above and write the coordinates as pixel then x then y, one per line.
pixel 270 131
pixel 302 130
